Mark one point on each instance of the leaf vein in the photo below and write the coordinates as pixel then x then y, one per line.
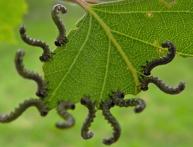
pixel 125 58
pixel 75 59
pixel 141 12
pixel 134 38
pixel 106 70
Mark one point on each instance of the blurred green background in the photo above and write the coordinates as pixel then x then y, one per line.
pixel 166 122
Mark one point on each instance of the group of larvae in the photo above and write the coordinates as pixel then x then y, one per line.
pixel 116 98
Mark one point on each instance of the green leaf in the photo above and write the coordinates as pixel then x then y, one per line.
pixel 10 17
pixel 110 45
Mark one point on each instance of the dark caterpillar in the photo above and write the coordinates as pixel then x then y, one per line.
pixel 105 107
pixel 61 39
pixel 22 107
pixel 161 61
pixel 85 133
pixel 62 111
pixel 161 85
pixel 118 100
pixel 41 90
pixel 38 43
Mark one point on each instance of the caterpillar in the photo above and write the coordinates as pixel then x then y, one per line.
pixel 38 43
pixel 61 109
pixel 137 102
pixel 118 100
pixel 5 118
pixel 61 39
pixel 41 84
pixel 85 133
pixel 161 85
pixel 106 106
pixel 161 61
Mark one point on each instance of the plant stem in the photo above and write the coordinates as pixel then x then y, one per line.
pixel 83 3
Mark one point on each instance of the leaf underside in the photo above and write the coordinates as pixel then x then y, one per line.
pixel 111 43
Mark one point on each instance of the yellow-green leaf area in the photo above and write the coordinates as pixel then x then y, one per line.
pixel 111 43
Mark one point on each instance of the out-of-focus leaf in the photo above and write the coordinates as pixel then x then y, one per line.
pixel 11 12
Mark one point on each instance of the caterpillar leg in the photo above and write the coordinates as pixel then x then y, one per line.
pixel 161 85
pixel 38 43
pixel 5 118
pixel 85 133
pixel 118 99
pixel 62 111
pixel 161 61
pixel 105 107
pixel 41 84
pixel 61 39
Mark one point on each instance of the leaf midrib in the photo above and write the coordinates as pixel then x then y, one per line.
pixel 109 34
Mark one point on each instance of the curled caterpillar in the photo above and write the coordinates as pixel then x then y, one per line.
pixel 85 133
pixel 61 39
pixel 62 111
pixel 4 118
pixel 41 90
pixel 161 61
pixel 105 107
pixel 46 50
pixel 161 85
